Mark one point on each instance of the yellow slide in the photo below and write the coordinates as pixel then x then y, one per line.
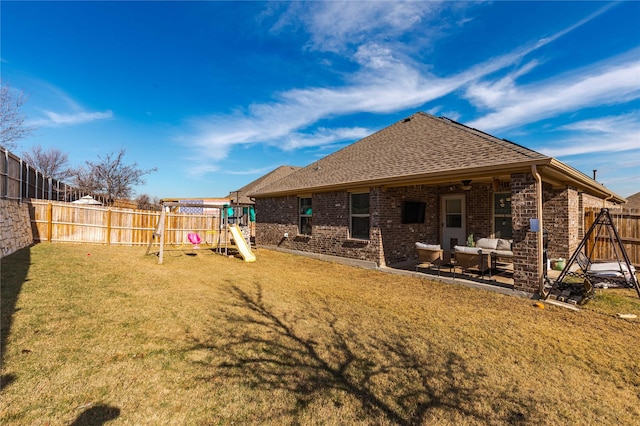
pixel 243 248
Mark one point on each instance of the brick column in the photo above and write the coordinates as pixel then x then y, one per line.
pixel 526 270
pixel 562 218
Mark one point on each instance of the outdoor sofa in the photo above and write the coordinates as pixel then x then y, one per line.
pixel 496 248
pixel 483 255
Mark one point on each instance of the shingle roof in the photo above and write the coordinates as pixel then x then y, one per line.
pixel 633 201
pixel 242 194
pixel 420 145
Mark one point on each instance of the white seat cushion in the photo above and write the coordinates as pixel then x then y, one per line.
pixel 610 269
pixel 428 246
pixel 487 243
pixel 472 250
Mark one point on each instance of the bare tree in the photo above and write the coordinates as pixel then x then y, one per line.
pixel 110 176
pixel 12 126
pixel 84 180
pixel 52 162
pixel 145 202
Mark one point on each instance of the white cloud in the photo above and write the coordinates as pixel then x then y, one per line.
pixel 53 119
pixel 53 107
pixel 335 25
pixel 602 135
pixel 391 85
pixel 388 81
pixel 593 144
pixel 614 124
pixel 592 86
pixel 323 136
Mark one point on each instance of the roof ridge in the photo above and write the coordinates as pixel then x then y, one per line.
pixel 357 142
pixel 256 189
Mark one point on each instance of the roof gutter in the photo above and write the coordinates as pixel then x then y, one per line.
pixel 440 177
pixel 587 182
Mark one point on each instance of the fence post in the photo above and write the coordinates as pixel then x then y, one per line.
pixel 26 187
pixel 49 221
pixel 6 175
pixel 109 227
pixel 21 179
pixel 590 243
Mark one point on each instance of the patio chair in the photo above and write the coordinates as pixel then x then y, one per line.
pixel 472 258
pixel 428 256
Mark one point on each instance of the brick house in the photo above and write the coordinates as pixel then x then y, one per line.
pixel 433 180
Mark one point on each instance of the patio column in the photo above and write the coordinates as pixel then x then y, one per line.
pixel 526 268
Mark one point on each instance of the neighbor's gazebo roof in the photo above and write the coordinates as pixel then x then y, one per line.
pixel 87 199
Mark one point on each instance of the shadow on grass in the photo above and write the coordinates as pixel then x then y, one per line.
pixel 13 274
pixel 396 378
pixel 96 416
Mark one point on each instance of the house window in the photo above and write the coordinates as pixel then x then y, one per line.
pixel 360 216
pixel 306 213
pixel 453 213
pixel 413 212
pixel 502 215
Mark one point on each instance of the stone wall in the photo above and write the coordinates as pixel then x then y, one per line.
pixel 15 227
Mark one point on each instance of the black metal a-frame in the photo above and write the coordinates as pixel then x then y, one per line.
pixel 618 272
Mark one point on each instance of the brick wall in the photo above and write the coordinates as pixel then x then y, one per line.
pixel 390 242
pixel 526 270
pixel 398 239
pixel 330 230
pixel 562 217
pixel 15 227
pixel 589 201
pixel 479 211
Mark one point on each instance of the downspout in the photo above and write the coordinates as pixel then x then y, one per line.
pixel 540 233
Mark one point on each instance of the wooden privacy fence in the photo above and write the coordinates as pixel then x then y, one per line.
pixel 77 223
pixel 19 180
pixel 627 223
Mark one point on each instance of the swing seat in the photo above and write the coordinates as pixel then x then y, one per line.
pixel 612 272
pixel 194 239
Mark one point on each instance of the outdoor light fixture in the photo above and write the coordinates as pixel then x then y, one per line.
pixel 496 184
pixel 466 185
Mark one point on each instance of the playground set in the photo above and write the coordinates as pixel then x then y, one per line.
pixel 229 234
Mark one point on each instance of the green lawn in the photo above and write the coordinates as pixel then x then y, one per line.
pixel 95 333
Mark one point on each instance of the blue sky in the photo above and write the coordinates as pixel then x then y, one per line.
pixel 216 94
